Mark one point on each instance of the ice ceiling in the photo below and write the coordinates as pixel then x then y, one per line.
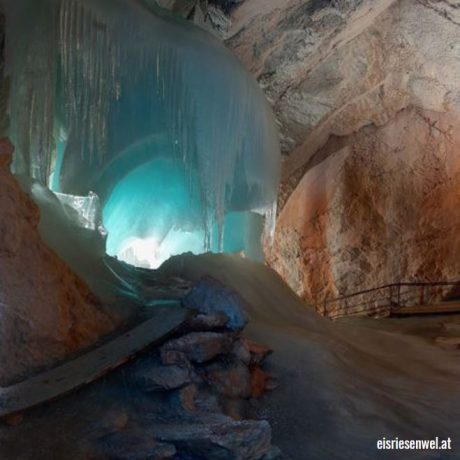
pixel 151 114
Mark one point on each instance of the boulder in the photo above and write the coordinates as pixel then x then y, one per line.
pixel 231 379
pixel 162 378
pixel 199 347
pixel 209 296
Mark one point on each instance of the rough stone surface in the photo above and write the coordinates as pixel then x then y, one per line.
pixel 46 311
pixel 367 95
pixel 208 322
pixel 200 347
pixel 162 378
pixel 221 438
pixel 383 209
pixel 257 351
pixel 231 379
pixel 209 296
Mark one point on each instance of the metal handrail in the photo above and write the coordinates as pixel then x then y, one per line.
pixel 391 301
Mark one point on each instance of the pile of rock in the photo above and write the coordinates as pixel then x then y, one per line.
pixel 193 389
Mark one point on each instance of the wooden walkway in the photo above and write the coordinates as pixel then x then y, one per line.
pixel 441 308
pixel 87 368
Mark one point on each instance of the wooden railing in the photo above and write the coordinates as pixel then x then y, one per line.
pixel 384 300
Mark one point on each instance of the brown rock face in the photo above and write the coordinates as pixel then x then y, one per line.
pixel 367 94
pixel 46 312
pixel 384 208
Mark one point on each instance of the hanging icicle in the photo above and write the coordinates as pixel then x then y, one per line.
pixel 101 87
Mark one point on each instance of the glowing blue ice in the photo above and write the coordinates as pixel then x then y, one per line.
pixel 149 112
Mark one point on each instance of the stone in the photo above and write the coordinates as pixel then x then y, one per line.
pixel 231 379
pixel 241 352
pixel 258 381
pixel 109 422
pixel 186 398
pixel 218 438
pixel 209 296
pixel 350 225
pixel 47 311
pixel 200 347
pixel 162 378
pixel 258 352
pixel 209 322
pixel 174 357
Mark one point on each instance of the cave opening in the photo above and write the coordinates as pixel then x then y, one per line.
pixel 152 116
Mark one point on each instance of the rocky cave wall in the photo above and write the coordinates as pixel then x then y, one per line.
pixel 46 312
pixel 367 95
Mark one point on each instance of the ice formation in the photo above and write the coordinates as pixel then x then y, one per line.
pixel 150 113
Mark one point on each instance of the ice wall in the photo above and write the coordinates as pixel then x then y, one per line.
pixel 103 87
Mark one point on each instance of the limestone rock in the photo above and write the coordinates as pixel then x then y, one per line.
pixel 47 312
pixel 200 347
pixel 367 96
pixel 209 296
pixel 241 352
pixel 382 209
pixel 186 398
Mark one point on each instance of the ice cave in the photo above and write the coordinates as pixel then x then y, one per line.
pixel 165 127
pixel 229 230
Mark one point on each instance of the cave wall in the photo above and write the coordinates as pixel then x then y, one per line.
pixel 46 312
pixel 374 169
pixel 367 96
pixel 382 209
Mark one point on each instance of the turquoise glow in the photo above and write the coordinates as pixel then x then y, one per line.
pixel 155 212
pixel 161 121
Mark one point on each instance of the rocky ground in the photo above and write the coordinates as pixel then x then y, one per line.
pixel 187 399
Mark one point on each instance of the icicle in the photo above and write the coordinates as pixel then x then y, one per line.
pixel 270 223
pixel 129 86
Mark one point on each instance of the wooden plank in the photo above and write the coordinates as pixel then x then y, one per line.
pixel 447 307
pixel 87 368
